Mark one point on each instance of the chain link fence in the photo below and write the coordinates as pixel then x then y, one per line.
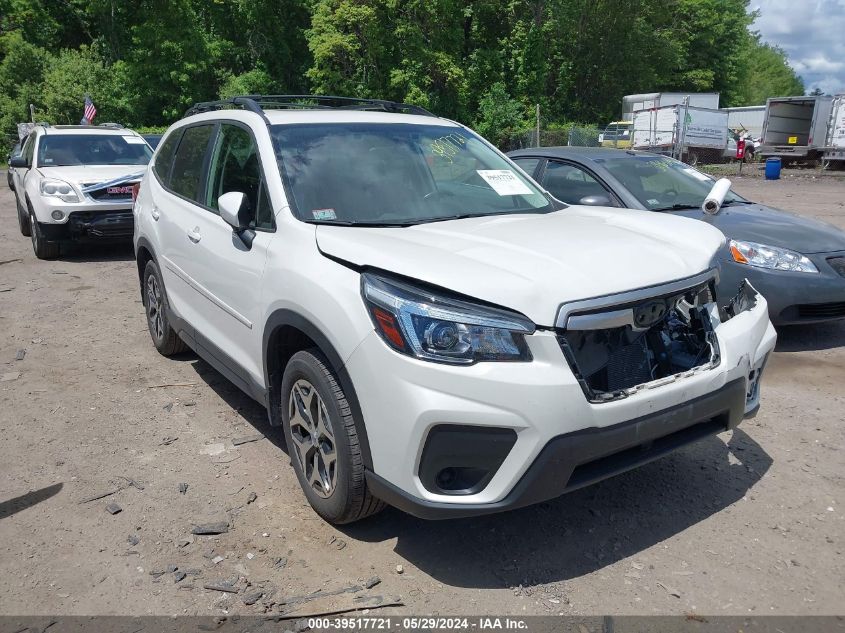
pixel 619 136
pixel 569 136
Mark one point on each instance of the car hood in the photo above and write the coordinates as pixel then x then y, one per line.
pixel 91 174
pixel 532 263
pixel 765 225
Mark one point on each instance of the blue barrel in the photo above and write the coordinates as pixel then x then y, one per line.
pixel 773 168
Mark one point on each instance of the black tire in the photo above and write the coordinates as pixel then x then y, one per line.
pixel 350 499
pixel 165 338
pixel 23 219
pixel 41 247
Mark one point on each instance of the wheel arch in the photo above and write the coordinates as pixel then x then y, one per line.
pixel 144 253
pixel 287 332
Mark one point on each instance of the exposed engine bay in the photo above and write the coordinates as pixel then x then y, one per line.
pixel 616 351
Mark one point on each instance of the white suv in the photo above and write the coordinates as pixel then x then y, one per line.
pixel 430 328
pixel 74 182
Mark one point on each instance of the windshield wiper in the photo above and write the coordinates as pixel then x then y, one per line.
pixel 358 223
pixel 464 216
pixel 677 207
pixel 730 202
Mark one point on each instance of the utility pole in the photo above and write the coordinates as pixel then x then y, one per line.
pixel 32 112
pixel 538 125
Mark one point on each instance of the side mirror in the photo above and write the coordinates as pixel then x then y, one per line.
pixel 18 162
pixel 596 201
pixel 234 209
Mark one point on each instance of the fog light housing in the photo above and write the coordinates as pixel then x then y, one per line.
pixel 58 215
pixel 462 459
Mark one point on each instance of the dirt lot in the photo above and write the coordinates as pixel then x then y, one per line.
pixel 751 521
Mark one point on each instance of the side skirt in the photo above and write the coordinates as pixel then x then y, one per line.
pixel 218 359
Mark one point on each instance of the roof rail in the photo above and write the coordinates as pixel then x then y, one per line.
pixel 259 103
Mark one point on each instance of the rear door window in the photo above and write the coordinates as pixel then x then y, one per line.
pixel 528 165
pixel 187 171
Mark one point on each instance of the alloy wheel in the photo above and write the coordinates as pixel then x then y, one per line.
pixel 154 308
pixel 313 439
pixel 33 227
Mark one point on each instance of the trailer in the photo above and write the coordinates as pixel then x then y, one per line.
pixel 689 133
pixel 631 104
pixel 747 118
pixel 795 128
pixel 834 150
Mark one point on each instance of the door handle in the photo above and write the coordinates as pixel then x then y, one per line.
pixel 194 235
pixel 155 213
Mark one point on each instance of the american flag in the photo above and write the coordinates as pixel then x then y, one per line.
pixel 90 110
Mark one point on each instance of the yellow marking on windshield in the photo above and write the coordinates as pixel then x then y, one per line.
pixel 448 146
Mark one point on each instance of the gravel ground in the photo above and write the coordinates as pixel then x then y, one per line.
pixel 750 521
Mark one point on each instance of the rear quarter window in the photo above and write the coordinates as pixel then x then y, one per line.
pixel 164 157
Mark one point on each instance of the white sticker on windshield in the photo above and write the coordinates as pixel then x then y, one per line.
pixel 653 202
pixel 134 140
pixel 323 214
pixel 504 182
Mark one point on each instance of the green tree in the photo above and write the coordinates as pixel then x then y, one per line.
pixel 499 115
pixel 767 74
pixel 72 74
pixel 255 81
pixel 22 67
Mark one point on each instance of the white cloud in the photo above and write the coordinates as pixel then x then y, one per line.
pixel 811 34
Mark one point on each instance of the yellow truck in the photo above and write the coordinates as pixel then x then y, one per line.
pixel 616 134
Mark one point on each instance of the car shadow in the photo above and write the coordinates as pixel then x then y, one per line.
pixel 93 252
pixel 573 535
pixel 251 411
pixel 580 532
pixel 811 338
pixel 17 504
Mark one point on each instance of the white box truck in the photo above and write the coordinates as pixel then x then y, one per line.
pixel 692 134
pixel 631 104
pixel 795 128
pixel 834 150
pixel 748 118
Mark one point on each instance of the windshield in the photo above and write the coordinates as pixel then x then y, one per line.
pixel 401 174
pixel 664 184
pixel 92 149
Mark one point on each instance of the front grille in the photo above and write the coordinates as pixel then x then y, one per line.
pixel 615 350
pixel 838 264
pixel 822 310
pixel 117 193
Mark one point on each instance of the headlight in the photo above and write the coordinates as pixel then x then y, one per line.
pixel 437 328
pixel 58 189
pixel 771 257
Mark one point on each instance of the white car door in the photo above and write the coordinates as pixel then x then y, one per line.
pixel 221 268
pixel 19 174
pixel 175 191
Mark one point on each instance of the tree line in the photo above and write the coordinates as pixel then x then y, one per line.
pixel 486 63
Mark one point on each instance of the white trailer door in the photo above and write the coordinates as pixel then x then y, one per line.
pixel 705 128
pixel 837 124
pixel 641 135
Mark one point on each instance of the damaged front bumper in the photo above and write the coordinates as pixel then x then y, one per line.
pixel 536 430
pixel 96 224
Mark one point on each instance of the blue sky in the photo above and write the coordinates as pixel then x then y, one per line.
pixel 812 32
